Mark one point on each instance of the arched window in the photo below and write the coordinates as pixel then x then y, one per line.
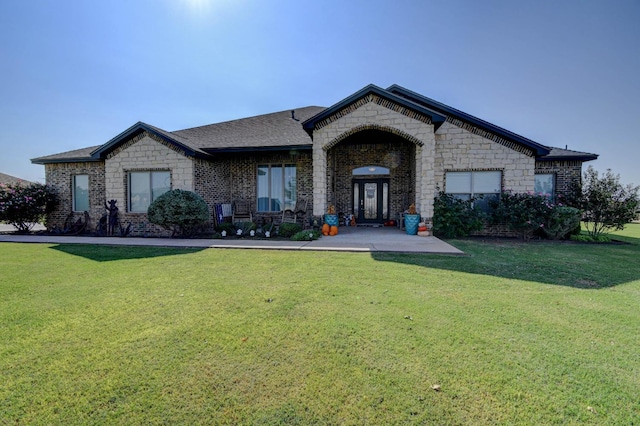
pixel 370 170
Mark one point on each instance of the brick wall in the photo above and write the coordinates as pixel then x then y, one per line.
pixel 566 172
pixel 60 176
pixel 372 147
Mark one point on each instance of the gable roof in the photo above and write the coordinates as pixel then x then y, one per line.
pixel 436 118
pixel 293 129
pixel 537 148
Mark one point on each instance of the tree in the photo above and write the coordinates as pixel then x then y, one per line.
pixel 25 205
pixel 179 211
pixel 605 203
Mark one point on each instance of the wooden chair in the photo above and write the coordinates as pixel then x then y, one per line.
pixel 242 212
pixel 300 210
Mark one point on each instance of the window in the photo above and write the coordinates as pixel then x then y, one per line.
pixel 80 193
pixel 482 185
pixel 145 187
pixel 545 184
pixel 276 187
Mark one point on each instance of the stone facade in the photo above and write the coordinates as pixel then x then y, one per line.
pixel 60 176
pixel 458 149
pixel 374 113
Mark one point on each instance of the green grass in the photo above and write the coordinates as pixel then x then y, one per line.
pixel 513 333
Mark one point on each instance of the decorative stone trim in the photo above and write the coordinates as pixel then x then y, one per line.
pixel 488 135
pixel 141 136
pixel 362 127
pixel 375 99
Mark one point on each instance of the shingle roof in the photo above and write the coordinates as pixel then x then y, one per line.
pixel 83 154
pixel 6 179
pixel 277 129
pixel 568 154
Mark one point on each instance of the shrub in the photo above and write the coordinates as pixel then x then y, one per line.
pixel 308 235
pixel 24 206
pixel 181 212
pixel 243 228
pixel 535 214
pixel 562 221
pixel 585 238
pixel 453 217
pixel 605 203
pixel 226 226
pixel 287 230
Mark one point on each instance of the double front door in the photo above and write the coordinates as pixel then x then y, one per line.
pixel 371 200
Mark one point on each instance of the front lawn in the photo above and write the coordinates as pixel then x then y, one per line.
pixel 532 333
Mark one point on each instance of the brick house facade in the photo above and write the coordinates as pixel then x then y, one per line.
pixel 372 155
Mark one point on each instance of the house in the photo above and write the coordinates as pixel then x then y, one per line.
pixel 372 155
pixel 6 179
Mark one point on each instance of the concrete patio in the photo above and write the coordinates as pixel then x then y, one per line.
pixel 353 239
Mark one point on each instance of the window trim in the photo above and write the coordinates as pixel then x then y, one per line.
pixel 74 196
pixel 149 172
pixel 269 166
pixel 554 184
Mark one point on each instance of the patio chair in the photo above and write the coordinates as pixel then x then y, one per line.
pixel 242 212
pixel 291 215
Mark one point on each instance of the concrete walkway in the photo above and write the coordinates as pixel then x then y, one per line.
pixel 358 239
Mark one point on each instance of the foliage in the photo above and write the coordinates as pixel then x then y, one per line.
pixel 269 227
pixel 287 230
pixel 605 203
pixel 586 238
pixel 306 235
pixel 179 211
pixel 453 217
pixel 24 206
pixel 243 228
pixel 535 214
pixel 226 226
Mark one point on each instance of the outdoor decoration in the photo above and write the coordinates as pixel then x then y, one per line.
pixel 331 217
pixel 411 220
pixel 325 229
pixel 333 230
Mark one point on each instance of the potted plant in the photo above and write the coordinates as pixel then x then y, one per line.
pixel 411 220
pixel 331 218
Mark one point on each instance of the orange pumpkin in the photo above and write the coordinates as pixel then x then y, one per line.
pixel 325 229
pixel 333 230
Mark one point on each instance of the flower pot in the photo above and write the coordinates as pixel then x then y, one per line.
pixel 331 219
pixel 411 222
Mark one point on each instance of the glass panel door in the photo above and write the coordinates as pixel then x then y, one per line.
pixel 370 201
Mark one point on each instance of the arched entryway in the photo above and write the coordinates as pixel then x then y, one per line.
pixel 371 174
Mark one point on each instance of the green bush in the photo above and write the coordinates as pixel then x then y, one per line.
pixel 561 222
pixel 243 228
pixel 535 214
pixel 308 235
pixel 288 230
pixel 226 226
pixel 24 206
pixel 586 238
pixel 453 217
pixel 179 211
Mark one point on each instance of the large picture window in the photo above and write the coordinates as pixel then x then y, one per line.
pixel 80 193
pixel 483 185
pixel 276 187
pixel 145 187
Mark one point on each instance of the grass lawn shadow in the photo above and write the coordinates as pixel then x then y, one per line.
pixel 100 253
pixel 588 266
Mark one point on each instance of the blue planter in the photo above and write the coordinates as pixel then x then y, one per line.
pixel 411 222
pixel 331 219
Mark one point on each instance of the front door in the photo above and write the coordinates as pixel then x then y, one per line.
pixel 371 200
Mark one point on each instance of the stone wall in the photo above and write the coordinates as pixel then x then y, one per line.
pixel 566 172
pixel 374 113
pixel 60 176
pixel 145 152
pixel 459 149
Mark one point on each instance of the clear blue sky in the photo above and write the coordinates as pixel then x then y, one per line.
pixel 75 73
